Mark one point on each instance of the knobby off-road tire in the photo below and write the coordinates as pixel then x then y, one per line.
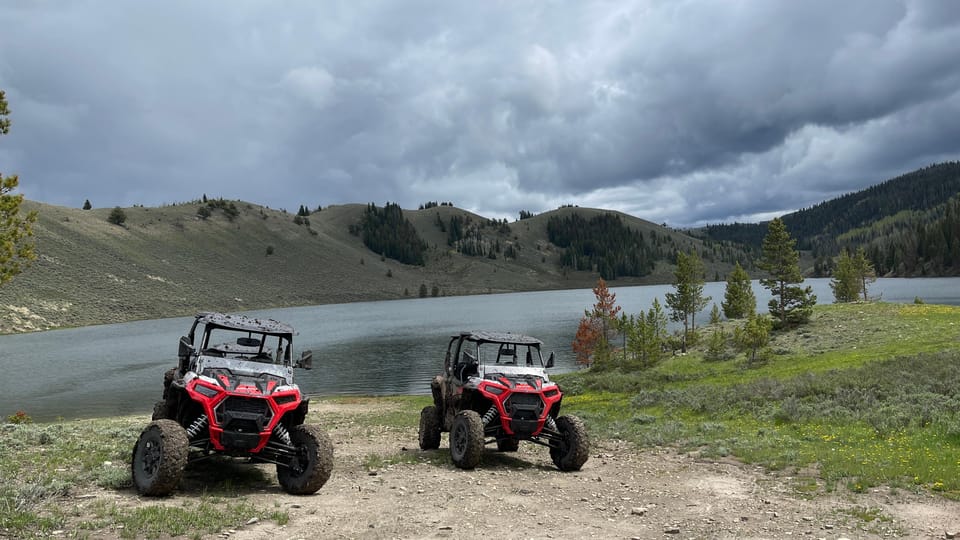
pixel 508 445
pixel 161 410
pixel 429 434
pixel 466 439
pixel 159 458
pixel 312 466
pixel 574 447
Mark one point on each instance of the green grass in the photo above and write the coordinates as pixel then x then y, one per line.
pixel 40 464
pixel 866 395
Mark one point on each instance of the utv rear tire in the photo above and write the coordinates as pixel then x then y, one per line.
pixel 574 447
pixel 508 445
pixel 466 439
pixel 159 457
pixel 429 434
pixel 311 468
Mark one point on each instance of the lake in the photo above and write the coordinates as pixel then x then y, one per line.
pixel 367 348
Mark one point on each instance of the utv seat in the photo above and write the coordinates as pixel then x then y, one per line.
pixel 468 366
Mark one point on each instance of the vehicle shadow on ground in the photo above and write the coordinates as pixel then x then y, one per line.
pixel 492 459
pixel 226 476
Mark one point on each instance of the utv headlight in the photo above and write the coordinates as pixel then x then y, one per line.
pixel 495 390
pixel 206 390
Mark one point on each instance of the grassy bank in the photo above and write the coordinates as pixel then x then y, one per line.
pixel 866 395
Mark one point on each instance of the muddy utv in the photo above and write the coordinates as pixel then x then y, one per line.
pixel 495 389
pixel 232 393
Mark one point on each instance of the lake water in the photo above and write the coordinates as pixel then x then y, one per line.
pixel 368 348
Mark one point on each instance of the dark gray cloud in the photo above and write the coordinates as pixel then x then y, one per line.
pixel 677 112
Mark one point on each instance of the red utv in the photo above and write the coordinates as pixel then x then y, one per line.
pixel 232 393
pixel 494 388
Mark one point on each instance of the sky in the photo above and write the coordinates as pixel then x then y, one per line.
pixel 678 112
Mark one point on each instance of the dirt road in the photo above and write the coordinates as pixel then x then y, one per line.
pixel 620 493
pixel 383 486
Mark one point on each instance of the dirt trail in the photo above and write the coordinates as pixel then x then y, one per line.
pixel 620 493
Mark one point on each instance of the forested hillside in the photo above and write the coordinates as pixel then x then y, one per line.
pixel 904 223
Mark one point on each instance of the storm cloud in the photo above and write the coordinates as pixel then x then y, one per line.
pixel 678 112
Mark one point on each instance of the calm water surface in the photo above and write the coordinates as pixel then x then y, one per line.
pixel 379 348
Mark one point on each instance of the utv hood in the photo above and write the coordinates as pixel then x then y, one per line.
pixel 232 373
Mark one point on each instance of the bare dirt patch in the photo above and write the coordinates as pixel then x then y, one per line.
pixel 383 486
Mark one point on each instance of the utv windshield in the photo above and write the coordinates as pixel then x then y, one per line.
pixel 258 347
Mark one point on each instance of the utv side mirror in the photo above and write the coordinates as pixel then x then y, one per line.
pixel 185 347
pixel 306 360
pixel 550 361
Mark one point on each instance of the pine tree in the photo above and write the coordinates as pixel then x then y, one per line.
pixel 752 336
pixel 864 271
pixel 738 298
pixel 117 216
pixel 790 304
pixel 715 315
pixel 87 205
pixel 656 327
pixel 688 299
pixel 16 230
pixel 845 282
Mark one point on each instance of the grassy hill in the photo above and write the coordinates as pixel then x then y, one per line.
pixel 167 261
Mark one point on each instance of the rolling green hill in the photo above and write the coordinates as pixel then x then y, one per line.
pixel 167 261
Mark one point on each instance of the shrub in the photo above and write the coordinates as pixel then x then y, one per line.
pixel 117 216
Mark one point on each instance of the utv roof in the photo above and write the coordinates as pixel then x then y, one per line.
pixel 242 322
pixel 499 337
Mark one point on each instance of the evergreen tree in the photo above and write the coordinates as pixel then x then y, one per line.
pixel 716 345
pixel 87 205
pixel 16 229
pixel 845 282
pixel 117 216
pixel 790 304
pixel 715 315
pixel 864 270
pixel 738 298
pixel 753 336
pixel 688 300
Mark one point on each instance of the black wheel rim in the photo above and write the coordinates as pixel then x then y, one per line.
pixel 459 440
pixel 150 454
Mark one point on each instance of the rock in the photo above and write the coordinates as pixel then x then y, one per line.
pixel 253 521
pixel 671 530
pixel 638 511
pixel 950 535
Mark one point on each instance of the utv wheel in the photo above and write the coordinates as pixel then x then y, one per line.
pixel 508 445
pixel 574 447
pixel 310 469
pixel 466 439
pixel 159 458
pixel 429 428
pixel 161 410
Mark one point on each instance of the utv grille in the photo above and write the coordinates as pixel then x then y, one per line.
pixel 524 411
pixel 524 406
pixel 245 405
pixel 243 415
